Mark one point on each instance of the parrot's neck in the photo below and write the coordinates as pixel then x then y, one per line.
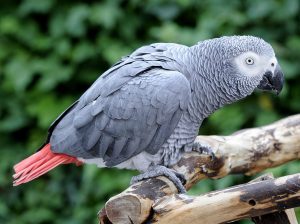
pixel 207 97
pixel 211 89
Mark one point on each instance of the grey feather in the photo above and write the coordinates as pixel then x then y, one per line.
pixel 101 121
pixel 91 137
pixel 134 121
pixel 104 144
pixel 118 147
pixel 83 116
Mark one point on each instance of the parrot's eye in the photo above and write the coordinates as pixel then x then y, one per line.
pixel 249 61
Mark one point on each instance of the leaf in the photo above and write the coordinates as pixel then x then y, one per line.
pixel 76 20
pixel 52 72
pixel 30 6
pixel 266 117
pixel 18 73
pixel 11 116
pixel 47 108
pixel 106 14
pixel 83 51
pixel 112 50
pixel 9 24
pixel 228 119
pixel 164 11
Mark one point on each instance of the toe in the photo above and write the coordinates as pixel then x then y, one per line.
pixel 177 178
pixel 180 177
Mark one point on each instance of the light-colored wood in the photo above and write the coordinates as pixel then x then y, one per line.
pixel 291 215
pixel 136 202
pixel 235 203
pixel 247 152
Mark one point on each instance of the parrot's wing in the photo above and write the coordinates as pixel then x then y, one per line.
pixel 138 116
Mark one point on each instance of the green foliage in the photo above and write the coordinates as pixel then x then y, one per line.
pixel 51 51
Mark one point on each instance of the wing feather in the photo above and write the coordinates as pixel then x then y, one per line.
pixel 133 107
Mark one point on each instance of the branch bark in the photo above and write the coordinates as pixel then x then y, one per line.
pixel 279 217
pixel 248 151
pixel 235 203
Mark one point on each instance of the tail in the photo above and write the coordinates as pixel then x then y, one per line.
pixel 39 163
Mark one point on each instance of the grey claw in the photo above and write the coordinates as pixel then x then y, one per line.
pixel 177 178
pixel 180 177
pixel 204 149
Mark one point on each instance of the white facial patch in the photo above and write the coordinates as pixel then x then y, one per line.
pixel 252 64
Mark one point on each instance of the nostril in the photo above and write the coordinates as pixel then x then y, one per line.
pixel 272 64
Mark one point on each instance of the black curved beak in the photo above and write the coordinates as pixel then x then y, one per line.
pixel 272 81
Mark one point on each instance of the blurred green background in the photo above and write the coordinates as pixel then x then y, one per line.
pixel 51 51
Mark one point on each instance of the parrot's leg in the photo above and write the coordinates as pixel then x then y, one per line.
pixel 203 149
pixel 155 171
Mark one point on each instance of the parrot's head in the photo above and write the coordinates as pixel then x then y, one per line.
pixel 256 61
pixel 241 64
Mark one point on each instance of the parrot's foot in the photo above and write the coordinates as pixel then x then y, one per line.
pixel 203 149
pixel 155 171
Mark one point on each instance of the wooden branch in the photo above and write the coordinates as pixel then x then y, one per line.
pixel 247 151
pixel 279 217
pixel 235 203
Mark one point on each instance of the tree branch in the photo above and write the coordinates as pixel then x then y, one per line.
pixel 247 151
pixel 235 203
pixel 287 216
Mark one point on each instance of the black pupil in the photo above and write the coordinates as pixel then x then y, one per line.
pixel 249 60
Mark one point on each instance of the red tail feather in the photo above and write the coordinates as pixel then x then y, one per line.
pixel 39 163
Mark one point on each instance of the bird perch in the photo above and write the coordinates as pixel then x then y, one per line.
pixel 247 152
pixel 235 203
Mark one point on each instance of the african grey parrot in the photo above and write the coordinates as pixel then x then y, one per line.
pixel 146 110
